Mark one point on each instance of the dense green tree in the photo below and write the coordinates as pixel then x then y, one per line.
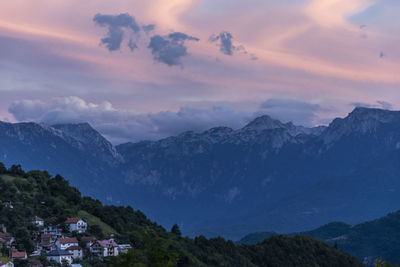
pixel 382 263
pixel 3 168
pixel 16 170
pixel 175 230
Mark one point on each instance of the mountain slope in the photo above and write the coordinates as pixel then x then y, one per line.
pixel 153 245
pixel 379 238
pixel 268 175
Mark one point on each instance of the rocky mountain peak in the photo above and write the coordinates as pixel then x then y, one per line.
pixel 264 122
pixel 382 115
pixel 84 133
pixel 360 120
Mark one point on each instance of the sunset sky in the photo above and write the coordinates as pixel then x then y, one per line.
pixel 148 69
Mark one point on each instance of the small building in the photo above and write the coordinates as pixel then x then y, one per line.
pixel 64 243
pixel 37 221
pixel 8 205
pixel 76 224
pixel 124 248
pixel 15 254
pixel 59 256
pixel 105 248
pixel 46 241
pixel 53 231
pixel 77 252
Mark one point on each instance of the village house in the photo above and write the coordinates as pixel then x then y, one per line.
pixel 64 243
pixel 37 221
pixel 76 224
pixel 53 231
pixel 8 205
pixel 59 256
pixel 105 248
pixel 77 252
pixel 46 241
pixel 15 254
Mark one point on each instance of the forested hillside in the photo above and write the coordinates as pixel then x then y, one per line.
pixel 36 193
pixel 368 241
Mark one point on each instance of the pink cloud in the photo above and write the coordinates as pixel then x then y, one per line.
pixel 304 50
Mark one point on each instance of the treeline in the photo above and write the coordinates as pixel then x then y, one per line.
pixel 36 193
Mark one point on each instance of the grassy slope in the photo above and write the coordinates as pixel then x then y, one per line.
pixel 93 220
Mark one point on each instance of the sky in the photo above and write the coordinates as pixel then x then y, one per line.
pixel 139 70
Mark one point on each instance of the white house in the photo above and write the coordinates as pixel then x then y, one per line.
pixel 76 224
pixel 105 248
pixel 64 243
pixel 77 252
pixel 59 256
pixel 38 221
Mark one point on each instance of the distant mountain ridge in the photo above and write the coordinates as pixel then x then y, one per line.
pixel 268 175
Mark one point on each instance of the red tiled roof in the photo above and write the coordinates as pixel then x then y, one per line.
pixel 18 255
pixel 67 240
pixel 107 243
pixel 5 236
pixel 37 219
pixel 72 220
pixel 74 248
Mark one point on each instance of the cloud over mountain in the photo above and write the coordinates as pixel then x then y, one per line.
pixel 121 125
pixel 299 112
pixel 127 125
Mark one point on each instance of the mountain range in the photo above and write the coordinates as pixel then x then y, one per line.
pixel 267 175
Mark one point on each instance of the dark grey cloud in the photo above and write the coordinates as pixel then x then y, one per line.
pixel 384 104
pixel 224 40
pixel 171 48
pixel 126 125
pixel 377 104
pixel 148 28
pixel 253 57
pixel 298 112
pixel 132 45
pixel 116 24
pixel 226 45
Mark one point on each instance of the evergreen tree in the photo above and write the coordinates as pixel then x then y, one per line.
pixel 175 230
